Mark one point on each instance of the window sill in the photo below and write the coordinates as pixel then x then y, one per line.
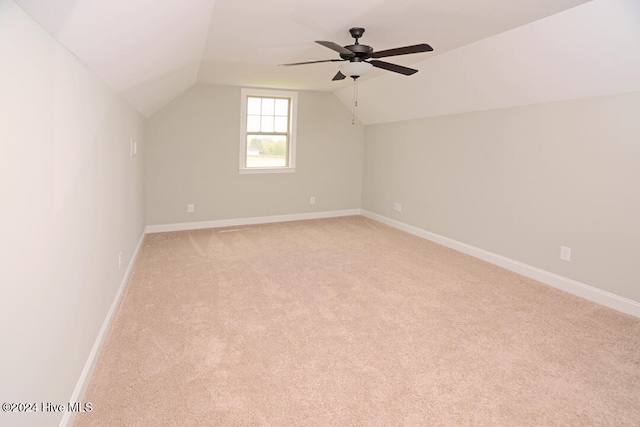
pixel 248 171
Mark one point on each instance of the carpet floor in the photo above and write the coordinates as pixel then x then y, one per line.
pixel 349 322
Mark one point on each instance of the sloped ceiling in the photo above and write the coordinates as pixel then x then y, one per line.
pixel 590 50
pixel 488 54
pixel 150 51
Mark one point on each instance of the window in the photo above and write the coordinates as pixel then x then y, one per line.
pixel 267 134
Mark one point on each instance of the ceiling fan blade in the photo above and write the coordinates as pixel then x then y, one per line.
pixel 336 47
pixel 393 67
pixel 338 76
pixel 402 51
pixel 311 62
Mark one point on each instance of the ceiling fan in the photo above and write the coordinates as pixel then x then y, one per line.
pixel 359 57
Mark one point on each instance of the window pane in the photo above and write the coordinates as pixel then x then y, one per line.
pixel 253 123
pixel 266 151
pixel 281 124
pixel 268 107
pixel 253 105
pixel 266 124
pixel 282 107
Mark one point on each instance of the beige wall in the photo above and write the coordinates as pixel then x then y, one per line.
pixel 71 200
pixel 520 182
pixel 193 150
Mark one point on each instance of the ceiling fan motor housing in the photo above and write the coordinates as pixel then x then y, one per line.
pixel 361 52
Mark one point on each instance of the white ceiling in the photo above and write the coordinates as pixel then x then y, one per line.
pixel 150 51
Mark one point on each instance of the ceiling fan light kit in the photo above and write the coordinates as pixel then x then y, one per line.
pixel 355 69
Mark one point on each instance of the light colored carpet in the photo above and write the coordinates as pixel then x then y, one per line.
pixel 348 322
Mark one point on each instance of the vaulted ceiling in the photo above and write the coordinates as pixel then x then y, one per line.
pixel 150 51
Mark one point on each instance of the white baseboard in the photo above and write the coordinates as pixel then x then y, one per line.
pixel 83 382
pixel 249 221
pixel 590 293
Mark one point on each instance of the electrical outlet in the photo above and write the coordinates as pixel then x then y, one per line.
pixel 312 200
pixel 191 208
pixel 397 207
pixel 565 253
pixel 134 147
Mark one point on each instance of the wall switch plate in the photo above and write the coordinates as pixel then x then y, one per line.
pixel 397 207
pixel 565 253
pixel 120 261
pixel 312 200
pixel 191 208
pixel 134 147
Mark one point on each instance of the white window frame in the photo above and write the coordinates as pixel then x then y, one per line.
pixel 269 93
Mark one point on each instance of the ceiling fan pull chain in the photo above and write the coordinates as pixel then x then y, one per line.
pixel 356 89
pixel 353 108
pixel 355 100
